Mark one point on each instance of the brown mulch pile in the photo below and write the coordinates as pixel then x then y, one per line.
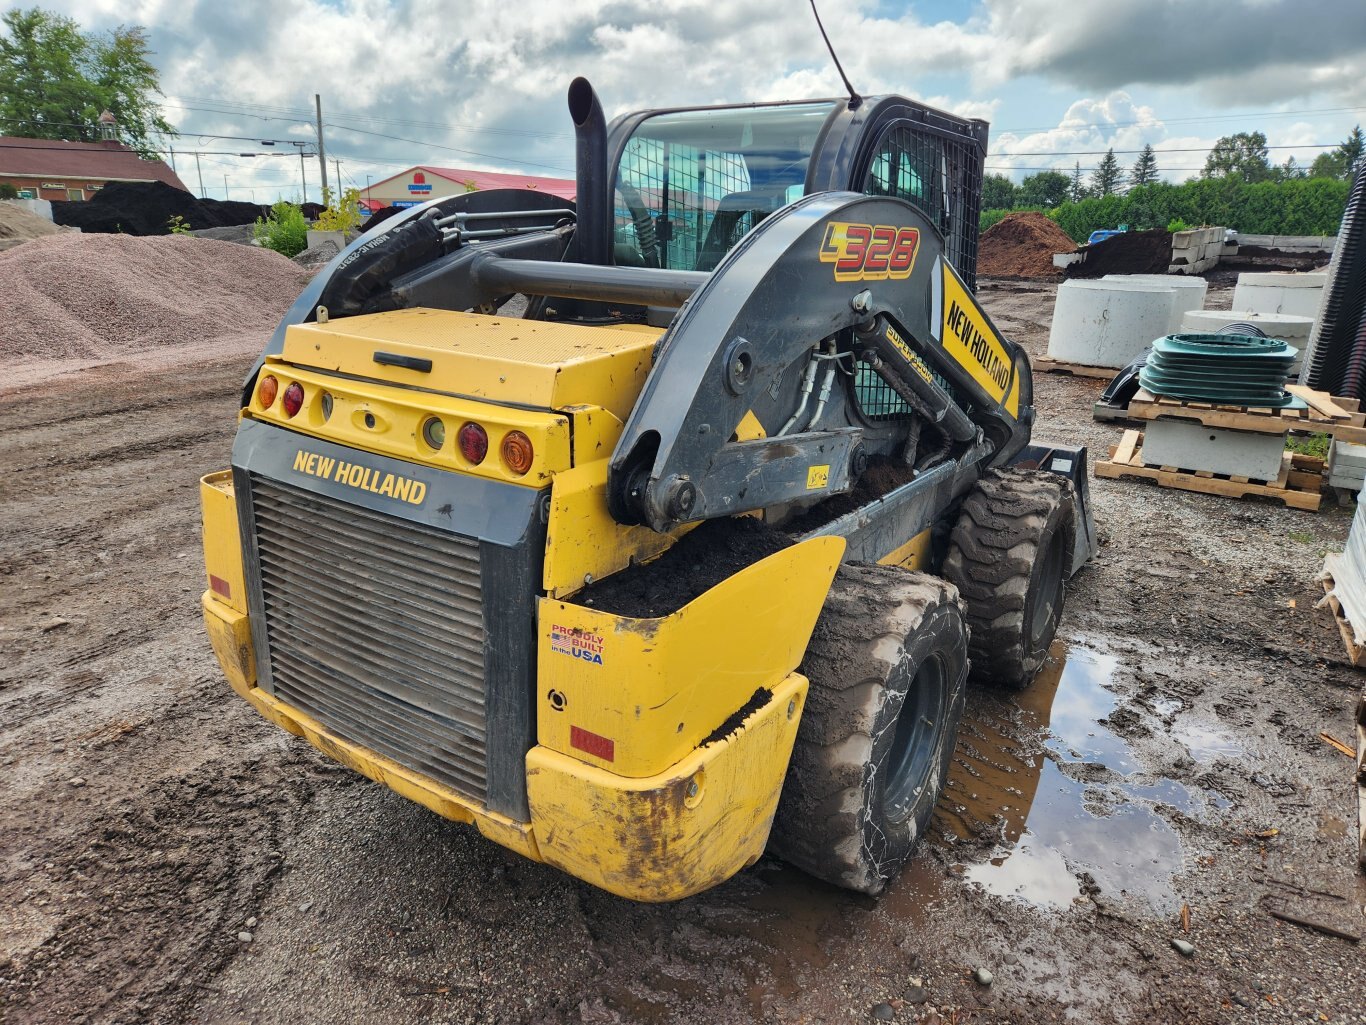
pixel 1022 245
pixel 96 296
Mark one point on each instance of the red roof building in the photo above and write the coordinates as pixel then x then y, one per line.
pixel 52 169
pixel 421 183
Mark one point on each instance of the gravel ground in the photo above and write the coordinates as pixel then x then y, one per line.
pixel 169 857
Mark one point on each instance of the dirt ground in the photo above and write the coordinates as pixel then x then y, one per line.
pixel 167 856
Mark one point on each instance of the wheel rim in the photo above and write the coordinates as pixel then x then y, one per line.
pixel 1046 596
pixel 912 762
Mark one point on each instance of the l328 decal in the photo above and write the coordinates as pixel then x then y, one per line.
pixel 870 252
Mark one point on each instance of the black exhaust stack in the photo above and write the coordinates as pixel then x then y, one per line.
pixel 594 230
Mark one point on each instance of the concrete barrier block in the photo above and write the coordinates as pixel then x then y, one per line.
pixel 1106 323
pixel 1190 446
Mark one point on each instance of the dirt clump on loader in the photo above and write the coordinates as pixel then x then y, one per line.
pixel 1022 245
pixel 882 476
pixel 707 555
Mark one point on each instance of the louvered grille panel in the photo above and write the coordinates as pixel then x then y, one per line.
pixel 375 627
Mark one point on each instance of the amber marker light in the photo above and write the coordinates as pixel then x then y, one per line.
pixel 517 452
pixel 266 390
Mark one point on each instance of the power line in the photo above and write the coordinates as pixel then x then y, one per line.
pixel 1197 119
pixel 453 149
pixel 1188 149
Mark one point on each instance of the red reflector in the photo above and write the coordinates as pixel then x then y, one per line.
pixel 474 443
pixel 219 586
pixel 598 747
pixel 294 398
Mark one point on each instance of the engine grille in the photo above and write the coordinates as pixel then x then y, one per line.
pixel 375 628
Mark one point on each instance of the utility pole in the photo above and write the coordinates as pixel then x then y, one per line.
pixel 173 170
pixel 322 155
pixel 200 171
pixel 225 186
pixel 303 176
pixel 336 161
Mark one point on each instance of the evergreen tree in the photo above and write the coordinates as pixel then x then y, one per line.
pixel 1105 179
pixel 1077 191
pixel 1351 151
pixel 1145 168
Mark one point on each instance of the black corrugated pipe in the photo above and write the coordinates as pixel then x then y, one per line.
pixel 1325 358
pixel 594 229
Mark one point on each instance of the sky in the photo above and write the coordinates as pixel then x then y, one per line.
pixel 481 83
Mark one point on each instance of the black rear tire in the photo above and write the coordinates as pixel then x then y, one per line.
pixel 888 668
pixel 1008 556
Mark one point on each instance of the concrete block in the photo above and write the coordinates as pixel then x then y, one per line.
pixel 1190 292
pixel 1305 243
pixel 1299 295
pixel 1230 249
pixel 1189 446
pixel 1061 260
pixel 1105 323
pixel 1264 241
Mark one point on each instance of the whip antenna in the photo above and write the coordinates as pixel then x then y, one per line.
pixel 855 100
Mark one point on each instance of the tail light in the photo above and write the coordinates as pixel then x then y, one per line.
pixel 266 390
pixel 517 452
pixel 294 398
pixel 434 432
pixel 474 443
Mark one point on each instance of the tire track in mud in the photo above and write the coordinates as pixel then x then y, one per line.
pixel 147 895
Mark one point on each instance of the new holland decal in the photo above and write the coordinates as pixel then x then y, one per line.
pixel 970 339
pixel 363 478
pixel 870 252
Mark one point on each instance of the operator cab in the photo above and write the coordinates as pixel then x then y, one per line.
pixel 687 185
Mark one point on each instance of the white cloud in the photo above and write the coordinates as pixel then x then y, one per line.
pixel 498 70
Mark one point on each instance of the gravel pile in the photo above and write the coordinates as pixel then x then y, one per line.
pixel 1022 245
pixel 97 296
pixel 19 223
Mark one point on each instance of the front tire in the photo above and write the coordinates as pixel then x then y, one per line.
pixel 1008 556
pixel 888 666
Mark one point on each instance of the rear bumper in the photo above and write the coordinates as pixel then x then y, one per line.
pixel 656 838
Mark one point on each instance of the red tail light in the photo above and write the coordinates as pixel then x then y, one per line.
pixel 265 392
pixel 474 443
pixel 294 398
pixel 517 452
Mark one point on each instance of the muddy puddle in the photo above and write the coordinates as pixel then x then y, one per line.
pixel 1045 804
pixel 1062 800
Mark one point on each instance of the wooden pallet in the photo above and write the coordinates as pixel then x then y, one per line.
pixel 1298 485
pixel 1356 653
pixel 1339 417
pixel 1049 365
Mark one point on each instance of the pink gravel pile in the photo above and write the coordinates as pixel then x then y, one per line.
pixel 100 296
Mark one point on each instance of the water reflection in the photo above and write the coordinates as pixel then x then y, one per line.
pixel 1062 795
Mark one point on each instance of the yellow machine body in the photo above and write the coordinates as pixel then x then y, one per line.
pixel 661 744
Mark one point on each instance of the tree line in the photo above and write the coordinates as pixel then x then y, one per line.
pixel 1243 157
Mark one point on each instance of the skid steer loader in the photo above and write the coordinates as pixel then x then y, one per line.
pixel 693 555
